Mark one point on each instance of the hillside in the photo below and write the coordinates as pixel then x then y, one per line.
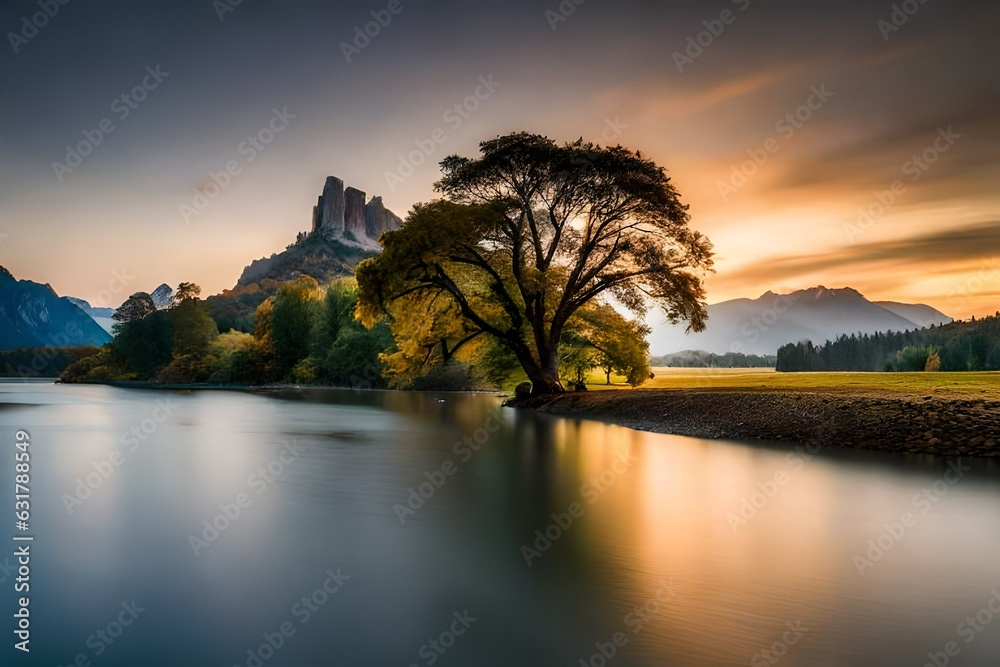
pixel 918 313
pixel 762 325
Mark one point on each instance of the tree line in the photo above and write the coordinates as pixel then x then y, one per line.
pixel 702 359
pixel 972 345
pixel 308 334
pixel 304 334
pixel 42 362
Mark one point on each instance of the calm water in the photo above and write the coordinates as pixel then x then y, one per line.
pixel 653 564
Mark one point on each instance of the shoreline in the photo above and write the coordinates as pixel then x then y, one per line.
pixel 961 425
pixel 894 422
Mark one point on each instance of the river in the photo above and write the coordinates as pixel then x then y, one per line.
pixel 323 527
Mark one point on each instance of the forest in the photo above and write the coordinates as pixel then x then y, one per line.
pixel 972 345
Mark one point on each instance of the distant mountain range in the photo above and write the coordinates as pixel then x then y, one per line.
pixel 100 315
pixel 762 325
pixel 33 315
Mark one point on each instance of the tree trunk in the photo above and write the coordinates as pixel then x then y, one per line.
pixel 608 376
pixel 545 376
pixel 546 383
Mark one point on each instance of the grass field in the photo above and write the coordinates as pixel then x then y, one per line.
pixel 980 385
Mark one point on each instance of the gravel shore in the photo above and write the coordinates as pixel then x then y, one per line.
pixel 898 423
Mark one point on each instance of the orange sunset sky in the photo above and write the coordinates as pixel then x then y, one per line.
pixel 842 116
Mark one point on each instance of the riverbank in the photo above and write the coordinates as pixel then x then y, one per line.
pixel 950 425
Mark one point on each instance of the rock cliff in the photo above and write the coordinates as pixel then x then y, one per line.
pixel 342 214
pixel 345 230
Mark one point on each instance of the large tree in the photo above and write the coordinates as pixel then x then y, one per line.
pixel 530 232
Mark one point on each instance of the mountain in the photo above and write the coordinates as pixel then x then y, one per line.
pixel 918 313
pixel 345 230
pixel 762 325
pixel 33 315
pixel 163 296
pixel 100 315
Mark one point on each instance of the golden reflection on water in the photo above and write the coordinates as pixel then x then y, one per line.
pixel 671 517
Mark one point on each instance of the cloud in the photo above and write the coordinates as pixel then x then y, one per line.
pixel 935 251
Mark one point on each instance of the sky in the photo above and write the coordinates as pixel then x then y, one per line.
pixel 837 143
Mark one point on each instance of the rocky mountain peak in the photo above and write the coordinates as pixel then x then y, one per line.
pixel 163 296
pixel 342 214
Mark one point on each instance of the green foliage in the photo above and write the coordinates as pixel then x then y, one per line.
pixel 48 362
pixel 234 310
pixel 911 359
pixel 576 358
pixel 227 349
pixel 959 346
pixel 354 358
pixel 304 372
pixel 429 331
pixel 186 292
pixel 337 313
pixel 303 335
pixel 100 367
pixel 187 369
pixel 498 365
pixel 194 330
pixel 295 314
pixel 142 347
pixel 241 359
pixel 599 336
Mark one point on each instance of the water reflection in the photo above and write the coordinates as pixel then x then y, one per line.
pixel 688 552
